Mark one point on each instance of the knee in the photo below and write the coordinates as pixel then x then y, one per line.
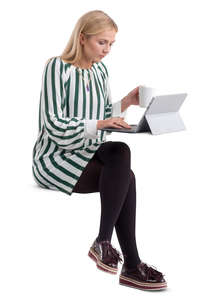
pixel 119 152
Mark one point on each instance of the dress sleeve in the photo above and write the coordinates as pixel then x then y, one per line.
pixel 67 133
pixel 112 109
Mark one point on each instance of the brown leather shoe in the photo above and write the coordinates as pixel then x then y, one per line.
pixel 142 277
pixel 105 256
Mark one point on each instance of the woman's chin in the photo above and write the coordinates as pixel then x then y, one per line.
pixel 99 58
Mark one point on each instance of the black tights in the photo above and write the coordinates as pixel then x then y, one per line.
pixel 109 173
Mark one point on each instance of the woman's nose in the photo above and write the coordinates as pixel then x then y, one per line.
pixel 107 49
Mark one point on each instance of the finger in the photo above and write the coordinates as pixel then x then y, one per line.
pixel 123 125
pixel 126 125
pixel 117 126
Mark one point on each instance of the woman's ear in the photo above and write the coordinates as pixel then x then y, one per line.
pixel 82 39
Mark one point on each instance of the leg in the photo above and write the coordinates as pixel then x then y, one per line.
pixel 89 179
pixel 109 172
pixel 125 226
pixel 113 184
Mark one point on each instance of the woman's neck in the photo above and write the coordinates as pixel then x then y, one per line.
pixel 83 64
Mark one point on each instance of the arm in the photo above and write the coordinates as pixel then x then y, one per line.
pixel 67 133
pixel 125 103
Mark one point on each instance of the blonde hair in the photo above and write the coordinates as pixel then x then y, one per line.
pixel 91 23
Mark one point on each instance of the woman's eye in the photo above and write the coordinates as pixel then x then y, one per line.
pixel 102 43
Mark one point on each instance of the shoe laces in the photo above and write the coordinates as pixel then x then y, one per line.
pixel 111 252
pixel 151 271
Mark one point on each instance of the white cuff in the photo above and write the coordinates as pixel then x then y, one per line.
pixel 116 110
pixel 91 131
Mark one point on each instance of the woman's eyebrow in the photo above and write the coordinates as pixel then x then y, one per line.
pixel 107 40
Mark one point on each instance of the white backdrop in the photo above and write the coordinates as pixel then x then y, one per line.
pixel 45 235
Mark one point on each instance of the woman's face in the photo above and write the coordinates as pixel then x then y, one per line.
pixel 97 46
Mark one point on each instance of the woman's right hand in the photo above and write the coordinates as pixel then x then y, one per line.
pixel 114 122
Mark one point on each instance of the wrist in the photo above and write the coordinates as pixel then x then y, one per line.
pixel 100 124
pixel 125 103
pixel 128 101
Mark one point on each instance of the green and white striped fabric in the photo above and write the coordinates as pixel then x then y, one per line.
pixel 68 113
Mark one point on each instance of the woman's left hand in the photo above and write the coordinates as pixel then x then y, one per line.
pixel 133 96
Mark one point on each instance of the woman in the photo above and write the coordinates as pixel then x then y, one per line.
pixel 71 153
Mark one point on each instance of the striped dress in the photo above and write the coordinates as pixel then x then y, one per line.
pixel 68 112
